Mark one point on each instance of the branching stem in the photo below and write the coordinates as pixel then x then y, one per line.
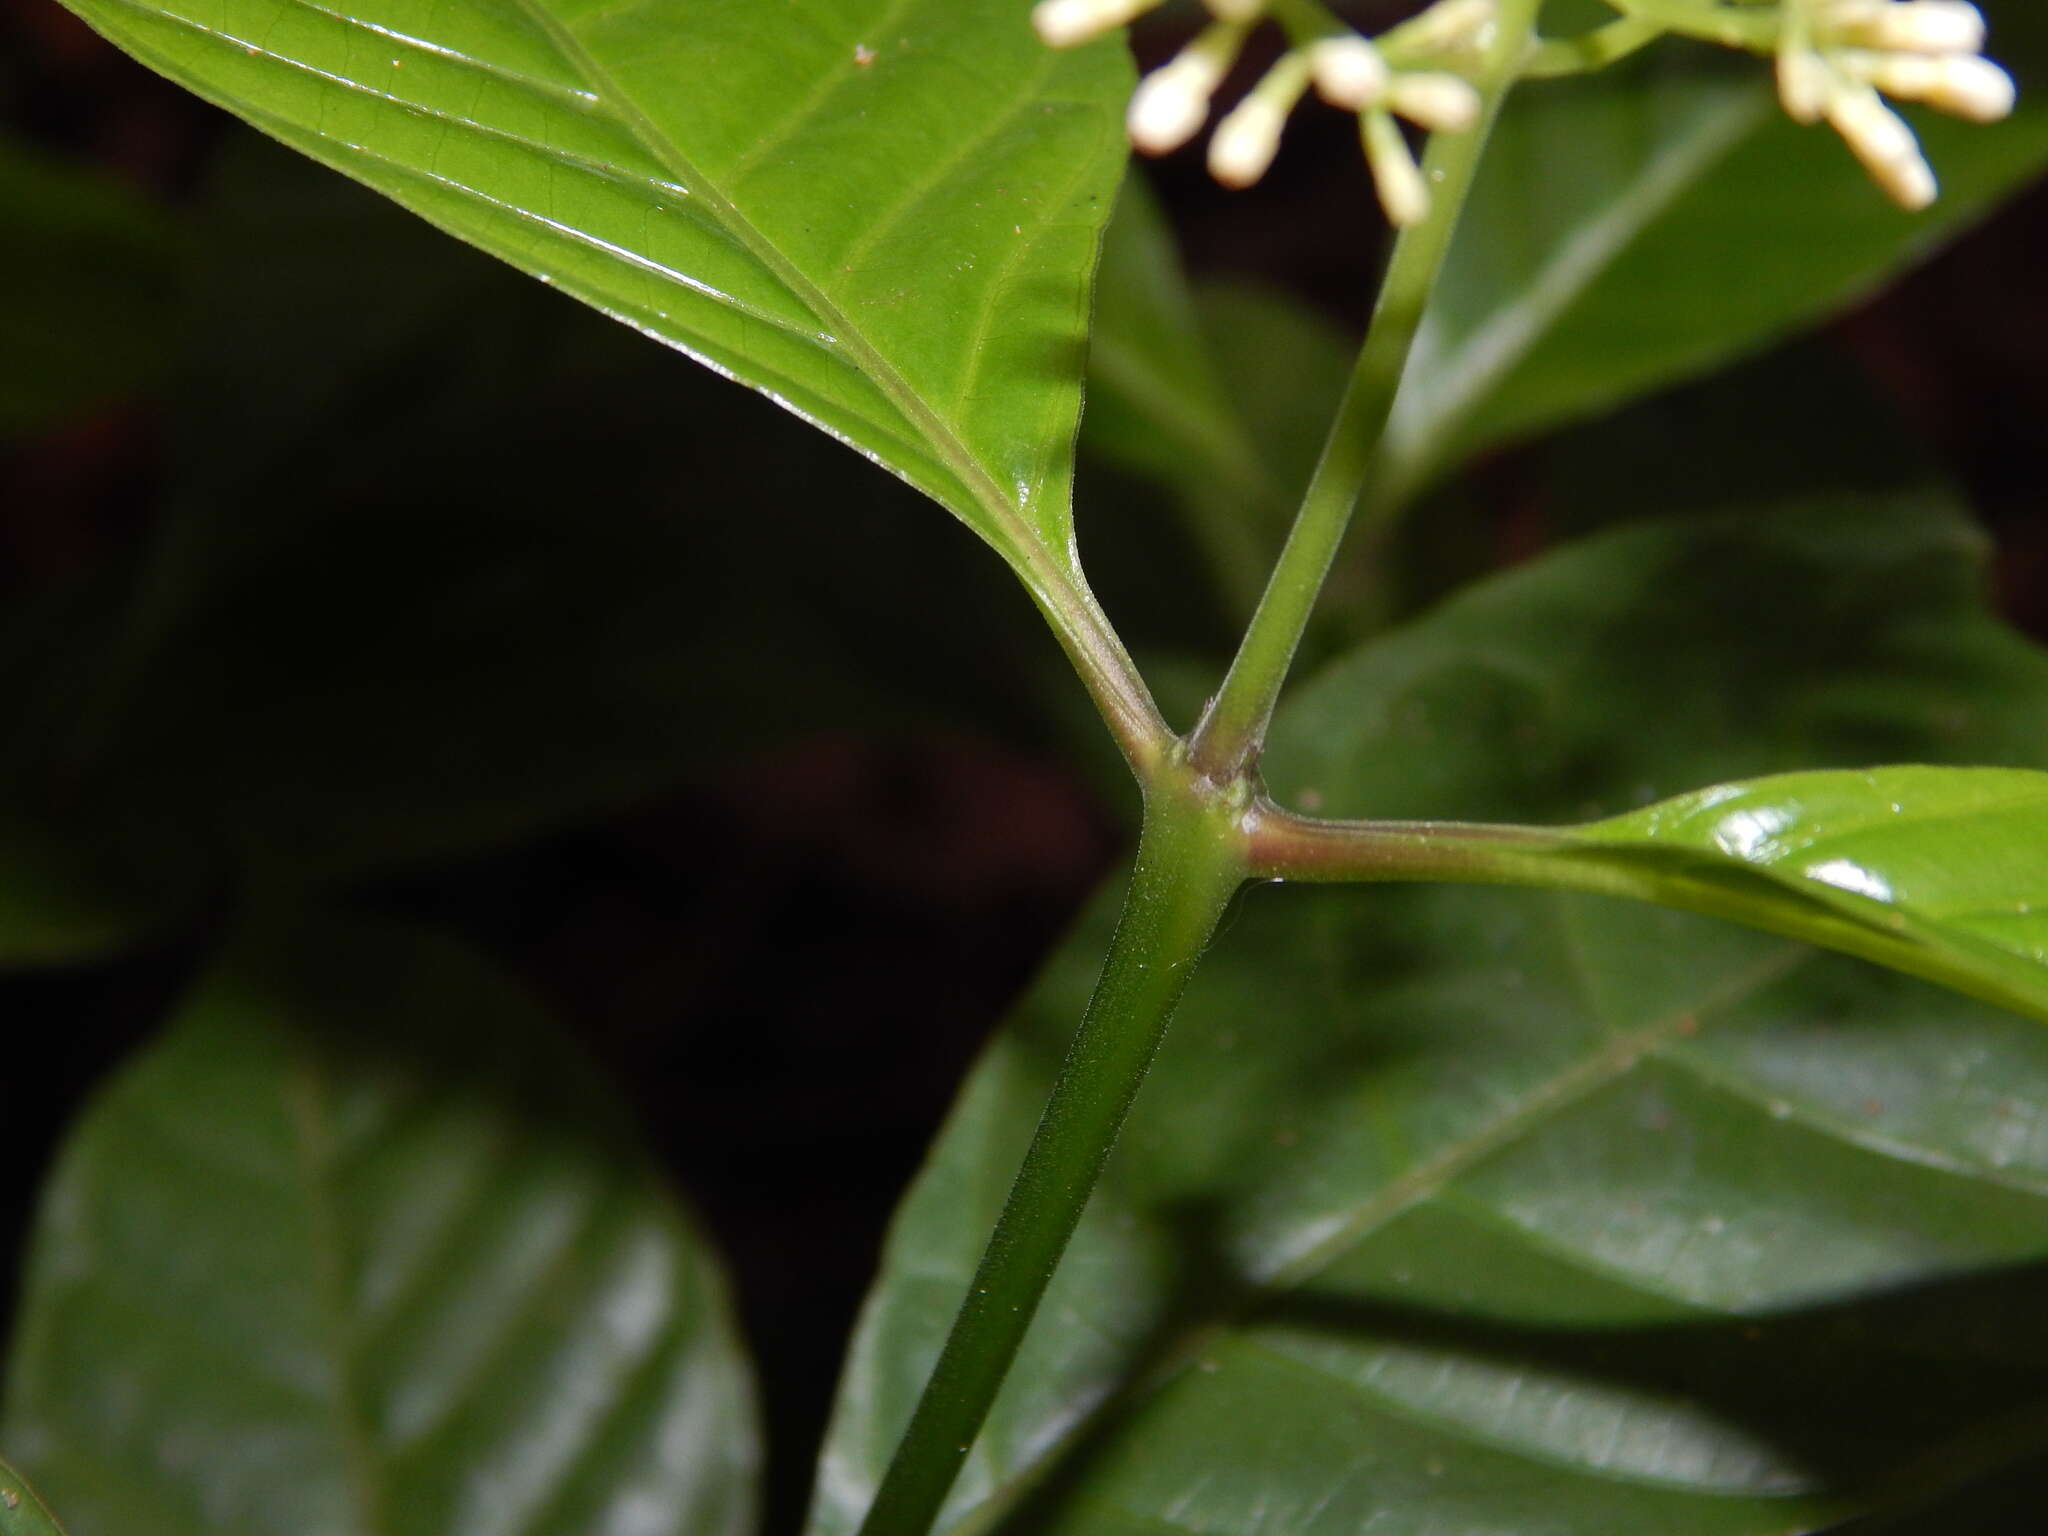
pixel 1226 743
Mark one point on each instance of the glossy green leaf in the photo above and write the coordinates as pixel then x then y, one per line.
pixel 1634 228
pixel 22 1512
pixel 90 274
pixel 1488 1211
pixel 882 213
pixel 361 1246
pixel 1935 870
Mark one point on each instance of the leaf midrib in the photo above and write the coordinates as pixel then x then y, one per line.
pixel 312 1144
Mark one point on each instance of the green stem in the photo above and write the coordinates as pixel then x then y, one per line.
pixel 1098 656
pixel 1187 869
pixel 1752 27
pixel 1227 741
pixel 1281 845
pixel 1591 50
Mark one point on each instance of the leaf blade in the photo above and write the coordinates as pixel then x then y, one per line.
pixel 573 141
pixel 365 1241
pixel 1947 860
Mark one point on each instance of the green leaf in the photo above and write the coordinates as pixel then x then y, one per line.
pixel 91 277
pixel 1634 228
pixel 362 1246
pixel 22 1513
pixel 1938 871
pixel 882 213
pixel 1449 1209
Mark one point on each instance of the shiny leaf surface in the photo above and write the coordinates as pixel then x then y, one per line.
pixel 1634 228
pixel 1494 1211
pixel 22 1513
pixel 882 213
pixel 1944 866
pixel 360 1246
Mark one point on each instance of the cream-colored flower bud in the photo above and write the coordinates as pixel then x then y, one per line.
pixel 1909 26
pixel 1069 23
pixel 1404 194
pixel 1246 141
pixel 1242 12
pixel 1803 84
pixel 1172 102
pixel 1973 87
pixel 1885 145
pixel 1440 103
pixel 1348 71
pixel 1963 84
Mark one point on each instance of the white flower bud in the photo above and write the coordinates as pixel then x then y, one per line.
pixel 1963 84
pixel 1404 195
pixel 1975 88
pixel 1441 103
pixel 1069 23
pixel 1907 26
pixel 1348 71
pixel 1170 104
pixel 1803 84
pixel 1246 141
pixel 1884 144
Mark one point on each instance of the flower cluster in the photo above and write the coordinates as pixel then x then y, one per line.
pixel 1836 56
pixel 1410 72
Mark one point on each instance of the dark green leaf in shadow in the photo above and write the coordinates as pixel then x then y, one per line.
pixel 883 215
pixel 22 1513
pixel 90 274
pixel 1222 394
pixel 361 1246
pixel 1494 1211
pixel 1634 228
pixel 84 869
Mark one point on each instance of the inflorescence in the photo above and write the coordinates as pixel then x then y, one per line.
pixel 1414 71
pixel 1836 61
pixel 1835 56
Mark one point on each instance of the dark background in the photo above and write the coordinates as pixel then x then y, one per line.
pixel 788 935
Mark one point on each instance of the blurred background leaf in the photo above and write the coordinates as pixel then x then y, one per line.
pixel 90 271
pixel 361 1245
